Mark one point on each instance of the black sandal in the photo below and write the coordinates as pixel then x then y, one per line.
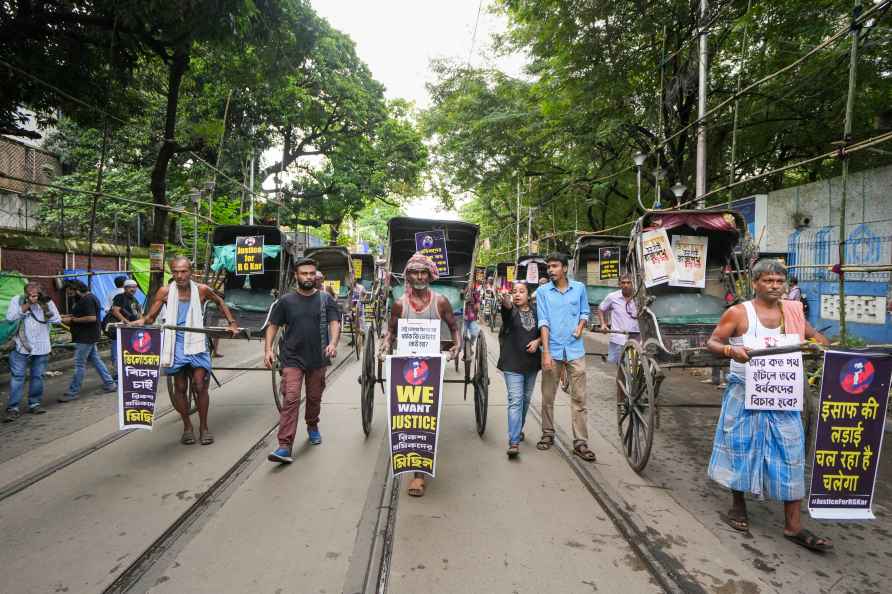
pixel 806 538
pixel 582 450
pixel 545 442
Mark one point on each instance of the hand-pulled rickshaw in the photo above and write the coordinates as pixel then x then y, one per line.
pixel 336 265
pixel 522 272
pixel 248 297
pixel 598 262
pixel 461 252
pixel 676 321
pixel 364 270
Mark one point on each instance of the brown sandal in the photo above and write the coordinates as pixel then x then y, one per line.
pixel 545 442
pixel 416 487
pixel 582 450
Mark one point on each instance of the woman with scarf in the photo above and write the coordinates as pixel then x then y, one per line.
pixel 519 359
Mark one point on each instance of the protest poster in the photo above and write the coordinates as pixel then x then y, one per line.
pixel 156 257
pixel 480 274
pixel 509 275
pixel 357 268
pixel 417 337
pixel 139 362
pixel 774 382
pixel 249 255
pixel 334 284
pixel 608 263
pixel 849 435
pixel 690 261
pixel 414 388
pixel 658 259
pixel 433 245
pixel 532 273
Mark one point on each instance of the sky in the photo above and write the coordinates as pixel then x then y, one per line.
pixel 399 38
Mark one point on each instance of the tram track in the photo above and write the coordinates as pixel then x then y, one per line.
pixel 32 478
pixel 664 568
pixel 142 573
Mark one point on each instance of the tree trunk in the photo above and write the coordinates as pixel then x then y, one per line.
pixel 335 233
pixel 176 70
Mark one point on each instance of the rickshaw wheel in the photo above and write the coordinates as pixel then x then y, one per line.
pixel 190 393
pixel 276 370
pixel 367 381
pixel 358 337
pixel 481 385
pixel 466 358
pixel 635 419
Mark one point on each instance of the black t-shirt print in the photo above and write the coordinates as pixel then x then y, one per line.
pixel 83 333
pixel 301 345
pixel 129 306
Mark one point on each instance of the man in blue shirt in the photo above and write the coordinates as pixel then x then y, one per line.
pixel 562 308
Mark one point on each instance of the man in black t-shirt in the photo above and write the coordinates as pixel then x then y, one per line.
pixel 85 331
pixel 312 322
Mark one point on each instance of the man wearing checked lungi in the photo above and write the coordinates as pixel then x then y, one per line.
pixel 756 451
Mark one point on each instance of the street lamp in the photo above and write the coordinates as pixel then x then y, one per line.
pixel 639 159
pixel 678 189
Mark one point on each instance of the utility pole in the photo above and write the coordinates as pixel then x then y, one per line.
pixel 530 231
pixel 701 105
pixel 517 230
pixel 251 190
pixel 847 137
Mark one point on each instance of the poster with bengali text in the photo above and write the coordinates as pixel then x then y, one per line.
pixel 657 257
pixel 690 261
pixel 433 245
pixel 139 372
pixel 414 388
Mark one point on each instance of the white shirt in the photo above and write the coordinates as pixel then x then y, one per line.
pixel 36 332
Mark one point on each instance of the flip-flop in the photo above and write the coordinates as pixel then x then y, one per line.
pixel 805 538
pixel 545 442
pixel 737 520
pixel 416 487
pixel 207 438
pixel 582 450
pixel 188 438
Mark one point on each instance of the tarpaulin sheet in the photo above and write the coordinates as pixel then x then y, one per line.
pixel 141 274
pixel 11 285
pixel 103 285
pixel 224 256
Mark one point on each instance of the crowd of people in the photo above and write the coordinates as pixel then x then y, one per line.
pixel 757 452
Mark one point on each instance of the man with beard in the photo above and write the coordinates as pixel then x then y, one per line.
pixel 420 302
pixel 761 451
pixel 562 310
pixel 185 355
pixel 312 323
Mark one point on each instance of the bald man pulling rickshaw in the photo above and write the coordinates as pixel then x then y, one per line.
pixel 419 302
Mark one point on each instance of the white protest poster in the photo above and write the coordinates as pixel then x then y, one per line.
pixel 775 382
pixel 690 261
pixel 418 337
pixel 657 256
pixel 532 272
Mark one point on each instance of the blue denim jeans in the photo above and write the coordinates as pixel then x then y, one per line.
pixel 18 368
pixel 82 354
pixel 114 356
pixel 520 391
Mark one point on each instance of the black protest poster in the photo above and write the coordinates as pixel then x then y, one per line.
pixel 433 245
pixel 139 362
pixel 249 255
pixel 849 434
pixel 415 388
pixel 608 263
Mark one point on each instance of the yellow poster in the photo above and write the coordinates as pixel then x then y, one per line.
pixel 334 284
pixel 509 275
pixel 357 268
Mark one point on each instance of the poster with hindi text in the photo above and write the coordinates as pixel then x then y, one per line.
pixel 690 261
pixel 849 435
pixel 139 373
pixel 414 389
pixel 657 257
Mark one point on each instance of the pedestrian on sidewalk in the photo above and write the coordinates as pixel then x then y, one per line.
pixel 185 355
pixel 124 308
pixel 761 451
pixel 35 312
pixel 562 309
pixel 312 321
pixel 471 313
pixel 519 359
pixel 85 333
pixel 620 306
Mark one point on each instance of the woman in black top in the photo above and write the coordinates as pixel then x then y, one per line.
pixel 519 359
